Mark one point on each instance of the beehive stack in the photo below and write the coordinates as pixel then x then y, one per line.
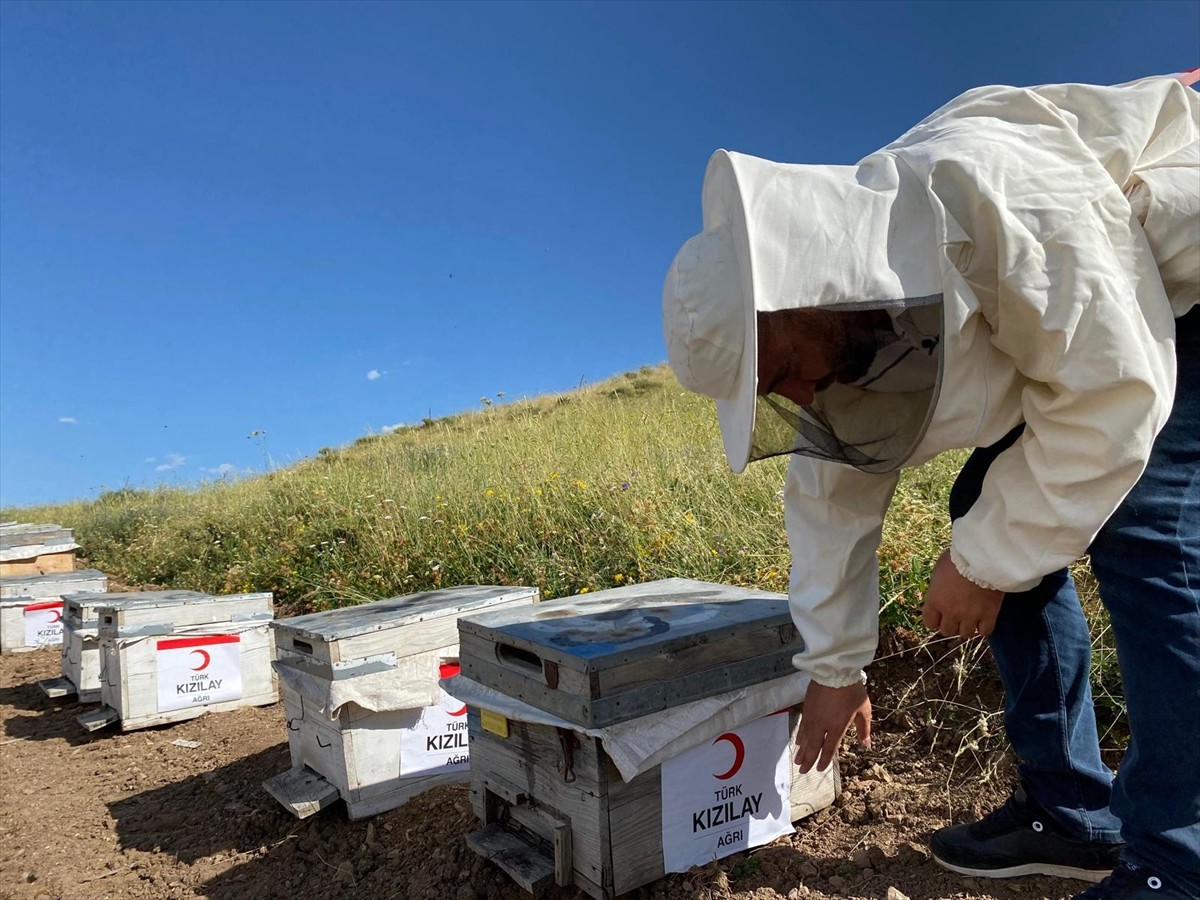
pixel 81 651
pixel 27 549
pixel 628 733
pixel 171 658
pixel 31 607
pixel 366 719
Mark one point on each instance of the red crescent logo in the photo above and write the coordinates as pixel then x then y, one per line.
pixel 57 616
pixel 203 665
pixel 739 754
pixel 449 670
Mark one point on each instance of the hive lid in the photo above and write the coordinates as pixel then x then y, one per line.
pixel 55 585
pixel 149 612
pixel 23 534
pixel 397 612
pixel 596 629
pixel 124 600
pixel 615 655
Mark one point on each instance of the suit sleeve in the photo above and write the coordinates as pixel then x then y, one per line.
pixel 834 515
pixel 1084 317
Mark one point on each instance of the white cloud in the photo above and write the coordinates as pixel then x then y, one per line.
pixel 375 375
pixel 222 470
pixel 151 459
pixel 388 429
pixel 174 461
pixel 68 420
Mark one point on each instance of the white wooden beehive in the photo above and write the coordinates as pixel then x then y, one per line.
pixel 31 607
pixel 598 832
pixel 27 549
pixel 173 659
pixel 366 719
pixel 554 806
pixel 81 652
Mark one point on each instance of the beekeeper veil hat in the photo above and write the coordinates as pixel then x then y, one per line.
pixel 779 236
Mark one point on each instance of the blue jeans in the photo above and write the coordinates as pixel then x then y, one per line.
pixel 1146 559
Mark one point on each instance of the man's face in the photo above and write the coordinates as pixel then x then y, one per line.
pixel 803 351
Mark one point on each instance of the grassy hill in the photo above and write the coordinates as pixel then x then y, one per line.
pixel 620 482
pixel 623 481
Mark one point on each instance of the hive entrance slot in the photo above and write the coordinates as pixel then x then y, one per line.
pixel 517 658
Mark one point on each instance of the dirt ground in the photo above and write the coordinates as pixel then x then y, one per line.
pixel 111 815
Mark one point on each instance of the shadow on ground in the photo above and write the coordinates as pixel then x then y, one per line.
pixel 218 811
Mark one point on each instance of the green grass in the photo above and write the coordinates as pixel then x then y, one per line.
pixel 620 482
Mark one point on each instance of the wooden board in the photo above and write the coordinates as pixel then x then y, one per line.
pixel 528 865
pixel 56 688
pixel 301 791
pixel 81 660
pixel 58 585
pixel 615 655
pixel 24 535
pixel 42 564
pixel 96 719
pixel 139 613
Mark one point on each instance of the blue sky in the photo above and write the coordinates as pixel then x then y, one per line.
pixel 232 234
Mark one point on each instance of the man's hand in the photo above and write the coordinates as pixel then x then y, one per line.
pixel 957 607
pixel 828 713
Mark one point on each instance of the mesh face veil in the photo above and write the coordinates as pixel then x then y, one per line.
pixel 875 422
pixel 781 237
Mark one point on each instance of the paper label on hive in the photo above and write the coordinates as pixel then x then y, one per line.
pixel 198 671
pixel 493 722
pixel 438 741
pixel 727 795
pixel 43 623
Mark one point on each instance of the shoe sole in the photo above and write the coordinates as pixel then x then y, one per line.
pixel 1092 875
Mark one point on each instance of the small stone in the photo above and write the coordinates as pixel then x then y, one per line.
pixel 860 857
pixel 345 872
pixel 466 892
pixel 896 894
pixel 877 773
pixel 913 854
pixel 837 882
pixel 809 870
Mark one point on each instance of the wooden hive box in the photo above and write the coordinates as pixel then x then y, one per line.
pixel 173 659
pixel 81 650
pixel 619 654
pixel 549 817
pixel 554 807
pixel 36 549
pixel 31 607
pixel 366 719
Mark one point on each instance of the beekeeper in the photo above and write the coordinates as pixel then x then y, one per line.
pixel 1018 273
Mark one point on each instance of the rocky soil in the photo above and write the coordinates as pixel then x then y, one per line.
pixel 111 815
